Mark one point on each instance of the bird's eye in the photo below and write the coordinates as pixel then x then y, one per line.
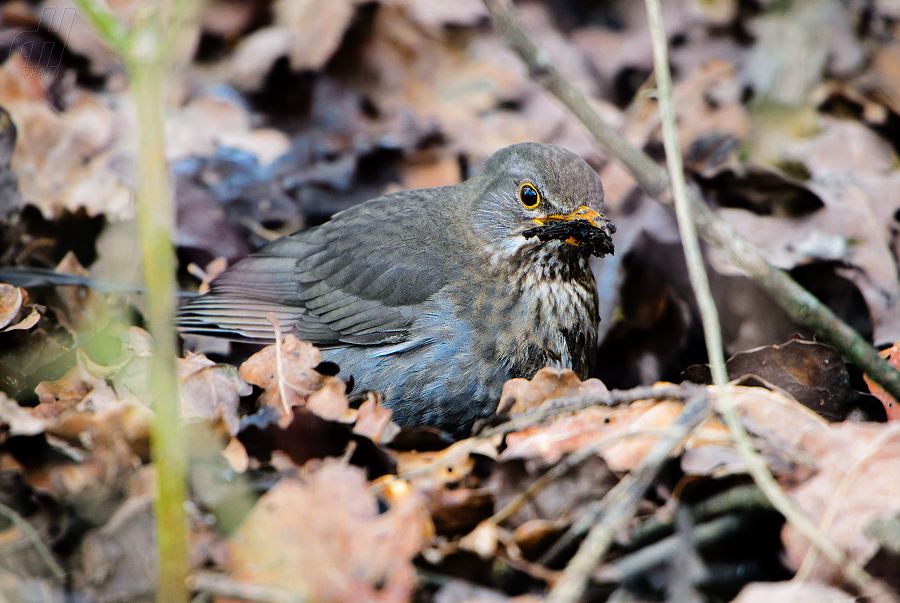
pixel 528 195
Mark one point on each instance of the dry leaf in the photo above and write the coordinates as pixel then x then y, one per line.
pixel 857 481
pixel 210 391
pixel 11 299
pixel 891 406
pixel 325 538
pixel 17 421
pixel 520 395
pixel 299 379
pixel 791 592
pixel 64 160
pixel 374 421
pixel 586 428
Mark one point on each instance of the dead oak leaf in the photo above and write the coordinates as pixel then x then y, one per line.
pixel 298 380
pixel 17 421
pixel 305 31
pixel 621 429
pixel 853 172
pixel 325 538
pixel 624 435
pixel 84 410
pixel 210 390
pixel 520 395
pixel 13 315
pixel 891 406
pixel 64 160
pixel 374 421
pixel 857 481
pixel 776 422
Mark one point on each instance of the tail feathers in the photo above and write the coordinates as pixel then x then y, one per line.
pixel 238 319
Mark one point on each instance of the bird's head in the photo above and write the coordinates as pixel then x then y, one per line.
pixel 531 195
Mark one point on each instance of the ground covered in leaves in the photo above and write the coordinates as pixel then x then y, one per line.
pixel 284 112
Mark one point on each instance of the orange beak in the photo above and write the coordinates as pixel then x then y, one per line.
pixel 596 219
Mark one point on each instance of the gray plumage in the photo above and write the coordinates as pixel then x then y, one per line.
pixel 431 296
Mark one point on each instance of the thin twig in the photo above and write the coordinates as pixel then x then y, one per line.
pixel 640 562
pixel 561 468
pixel 222 585
pixel 549 410
pixel 619 505
pixel 740 499
pixel 279 366
pixel 560 406
pixel 709 316
pixel 802 306
pixel 31 534
pixel 839 494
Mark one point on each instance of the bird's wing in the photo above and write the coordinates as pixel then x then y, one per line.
pixel 356 280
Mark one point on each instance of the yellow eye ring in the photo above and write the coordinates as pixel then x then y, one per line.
pixel 529 195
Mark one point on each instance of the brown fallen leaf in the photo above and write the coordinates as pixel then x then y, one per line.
pixel 857 481
pixel 324 538
pixel 810 371
pixel 306 31
pixel 431 470
pixel 108 436
pixel 17 421
pixel 852 171
pixel 777 424
pixel 11 299
pixel 14 313
pixel 891 406
pixel 210 391
pixel 791 592
pixel 520 395
pixel 456 511
pixel 374 421
pixel 300 383
pixel 64 160
pixel 590 426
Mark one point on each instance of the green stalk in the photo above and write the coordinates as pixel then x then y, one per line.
pixel 146 52
pixel 156 223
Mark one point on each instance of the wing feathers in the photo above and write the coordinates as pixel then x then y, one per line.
pixel 358 279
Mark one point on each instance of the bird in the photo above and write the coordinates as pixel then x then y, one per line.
pixel 435 297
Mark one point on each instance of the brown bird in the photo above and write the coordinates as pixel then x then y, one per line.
pixel 435 297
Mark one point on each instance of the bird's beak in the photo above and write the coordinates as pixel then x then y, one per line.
pixel 594 218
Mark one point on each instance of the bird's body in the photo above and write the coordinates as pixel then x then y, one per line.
pixel 433 297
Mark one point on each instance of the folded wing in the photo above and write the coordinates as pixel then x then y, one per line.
pixel 357 279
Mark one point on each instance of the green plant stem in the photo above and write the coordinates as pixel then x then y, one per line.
pixel 155 222
pixel 111 29
pixel 146 50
